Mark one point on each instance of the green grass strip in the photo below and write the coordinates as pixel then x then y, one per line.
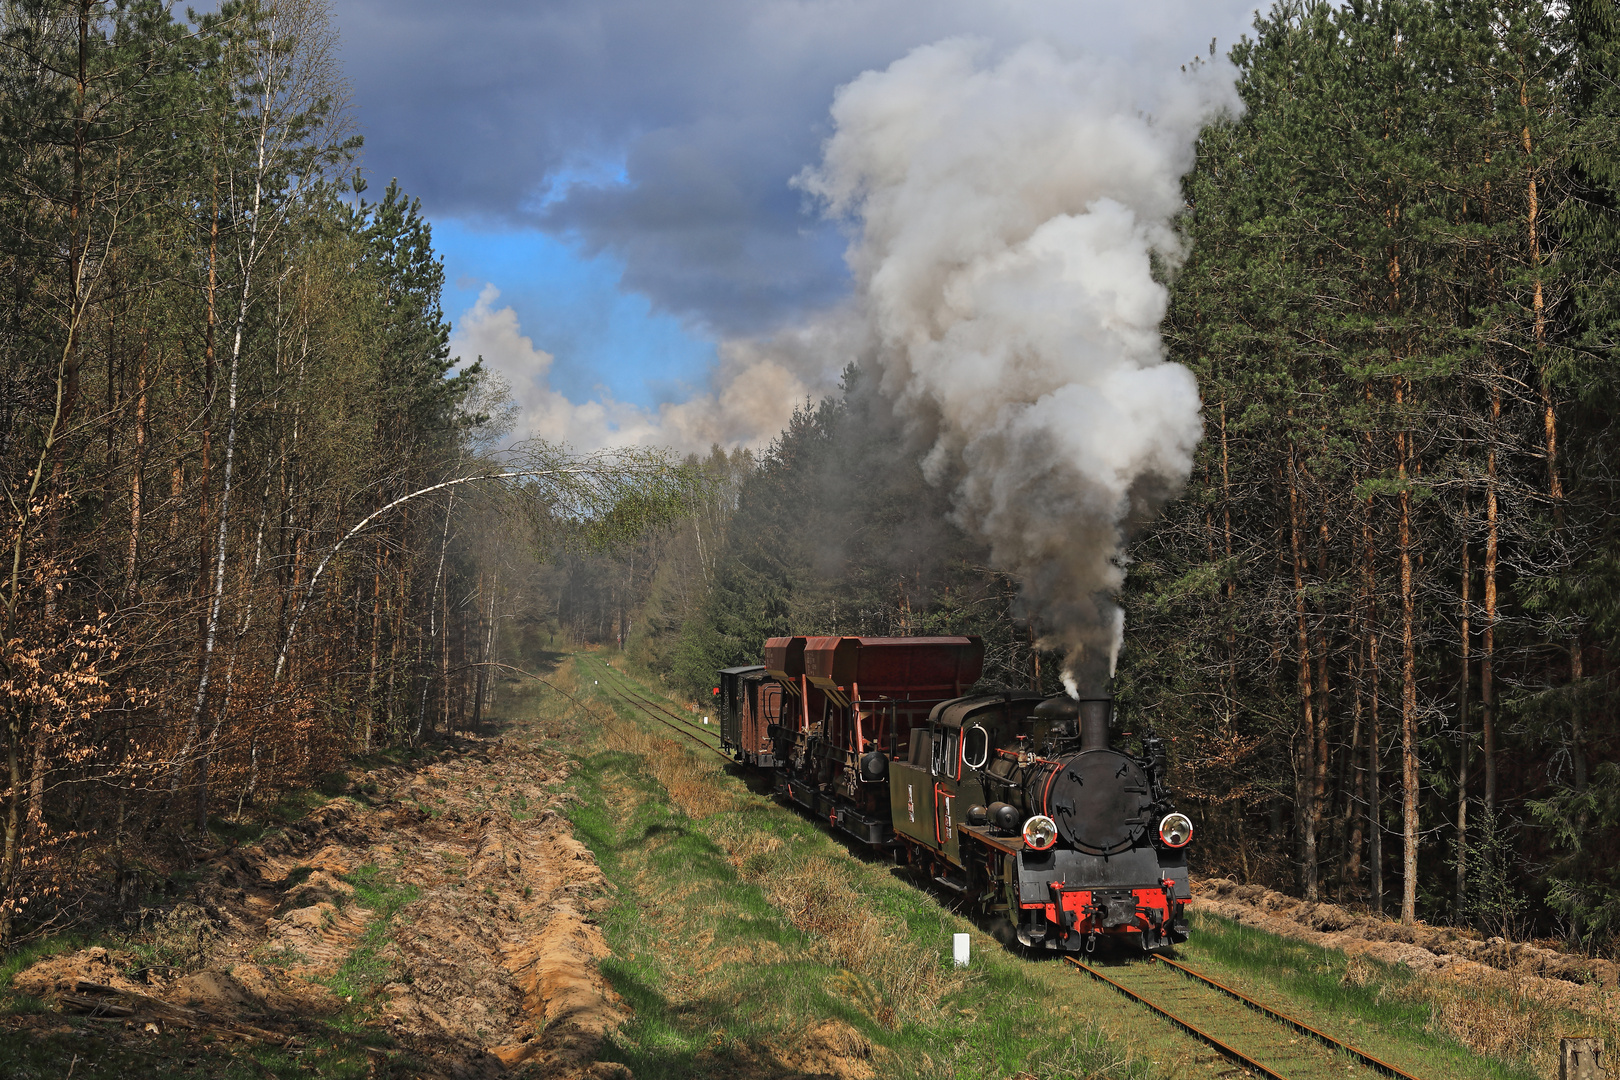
pixel 364 970
pixel 1387 999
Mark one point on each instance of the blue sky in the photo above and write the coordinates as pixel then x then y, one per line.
pixel 600 334
pixel 621 171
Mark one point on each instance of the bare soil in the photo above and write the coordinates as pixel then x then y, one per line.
pixel 486 969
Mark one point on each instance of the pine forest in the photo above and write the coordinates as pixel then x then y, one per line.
pixel 259 518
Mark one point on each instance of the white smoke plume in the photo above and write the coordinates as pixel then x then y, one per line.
pixel 1006 212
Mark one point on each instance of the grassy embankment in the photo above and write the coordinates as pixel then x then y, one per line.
pixel 1500 1025
pixel 742 933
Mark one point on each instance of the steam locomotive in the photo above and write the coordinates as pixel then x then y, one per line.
pixel 1015 802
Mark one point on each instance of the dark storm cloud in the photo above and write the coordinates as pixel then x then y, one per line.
pixel 666 133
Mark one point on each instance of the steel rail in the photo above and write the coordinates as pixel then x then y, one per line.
pixel 634 692
pixel 1300 1026
pixel 631 689
pixel 671 713
pixel 694 730
pixel 1186 1025
pixel 700 728
pixel 678 730
pixel 1283 1018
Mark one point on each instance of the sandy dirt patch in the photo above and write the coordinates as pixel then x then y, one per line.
pixel 489 971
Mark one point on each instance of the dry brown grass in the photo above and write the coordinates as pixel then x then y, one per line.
pixel 817 892
pixel 1512 1015
pixel 819 896
pixel 1083 1057
pixel 696 781
pixel 1358 972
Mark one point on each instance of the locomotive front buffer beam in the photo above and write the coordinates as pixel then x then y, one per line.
pixel 1072 918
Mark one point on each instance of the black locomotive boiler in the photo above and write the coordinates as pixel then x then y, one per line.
pixel 1021 804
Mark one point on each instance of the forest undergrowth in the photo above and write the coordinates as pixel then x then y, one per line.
pixel 433 920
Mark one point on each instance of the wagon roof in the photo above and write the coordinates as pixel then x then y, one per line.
pixel 933 666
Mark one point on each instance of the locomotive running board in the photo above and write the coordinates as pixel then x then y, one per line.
pixel 1010 845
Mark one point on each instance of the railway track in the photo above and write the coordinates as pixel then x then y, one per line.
pixel 634 692
pixel 651 709
pixel 628 688
pixel 1261 1039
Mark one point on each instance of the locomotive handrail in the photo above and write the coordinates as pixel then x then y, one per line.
pixel 938 842
pixel 1012 755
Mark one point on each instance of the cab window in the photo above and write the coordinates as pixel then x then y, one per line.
pixel 975 747
pixel 920 747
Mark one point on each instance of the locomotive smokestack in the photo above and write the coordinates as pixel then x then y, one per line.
pixel 1089 685
pixel 1094 714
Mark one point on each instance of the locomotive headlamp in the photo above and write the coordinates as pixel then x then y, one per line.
pixel 1040 833
pixel 1175 830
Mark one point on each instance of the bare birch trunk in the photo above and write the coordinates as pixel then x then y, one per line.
pixel 205 489
pixel 376 641
pixel 433 615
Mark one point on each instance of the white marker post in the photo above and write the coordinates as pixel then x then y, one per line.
pixel 959 949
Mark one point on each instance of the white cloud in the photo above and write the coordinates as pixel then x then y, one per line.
pixel 754 389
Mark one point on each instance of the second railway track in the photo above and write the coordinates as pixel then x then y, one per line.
pixel 651 709
pixel 1263 1040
